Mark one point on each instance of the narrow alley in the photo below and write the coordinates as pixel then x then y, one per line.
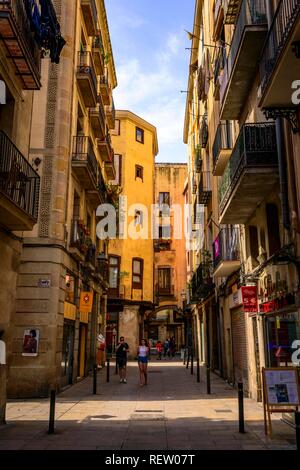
pixel 172 412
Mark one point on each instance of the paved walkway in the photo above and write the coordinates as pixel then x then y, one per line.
pixel 171 412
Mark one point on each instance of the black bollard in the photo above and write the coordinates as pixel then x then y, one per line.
pixel 192 364
pixel 297 423
pixel 107 371
pixel 95 379
pixel 241 408
pixel 184 356
pixel 116 370
pixel 198 370
pixel 208 379
pixel 52 412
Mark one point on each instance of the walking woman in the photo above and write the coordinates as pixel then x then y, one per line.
pixel 143 356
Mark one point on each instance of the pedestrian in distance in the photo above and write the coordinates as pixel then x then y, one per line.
pixel 166 347
pixel 121 357
pixel 159 349
pixel 173 346
pixel 143 352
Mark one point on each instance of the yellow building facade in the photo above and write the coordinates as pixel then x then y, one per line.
pixel 131 255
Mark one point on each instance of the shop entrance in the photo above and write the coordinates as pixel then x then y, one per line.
pixel 281 332
pixel 67 353
pixel 82 349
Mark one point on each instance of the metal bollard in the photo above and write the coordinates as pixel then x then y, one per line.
pixel 52 412
pixel 208 379
pixel 241 408
pixel 95 379
pixel 192 364
pixel 107 371
pixel 198 370
pixel 116 370
pixel 184 356
pixel 297 423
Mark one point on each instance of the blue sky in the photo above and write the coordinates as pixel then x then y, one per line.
pixel 149 43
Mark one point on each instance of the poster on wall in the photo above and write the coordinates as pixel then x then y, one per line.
pixel 31 342
pixel 281 386
pixel 249 294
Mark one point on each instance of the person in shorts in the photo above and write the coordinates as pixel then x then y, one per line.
pixel 121 357
pixel 143 357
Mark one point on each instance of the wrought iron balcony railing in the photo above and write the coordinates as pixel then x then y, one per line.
pixel 223 140
pixel 251 13
pixel 286 14
pixel 205 188
pixel 254 148
pixel 198 159
pixel 86 67
pixel 226 246
pixel 201 283
pixel 18 180
pixel 83 152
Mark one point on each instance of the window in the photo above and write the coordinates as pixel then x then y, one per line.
pixel 138 218
pixel 164 231
pixel 164 198
pixel 164 280
pixel 137 273
pixel 139 172
pixel 70 289
pixel 273 228
pixel 118 167
pixel 117 129
pixel 139 135
pixel 114 273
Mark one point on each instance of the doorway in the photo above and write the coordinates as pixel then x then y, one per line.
pixel 82 349
pixel 67 354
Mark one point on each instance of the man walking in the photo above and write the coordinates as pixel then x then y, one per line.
pixel 121 358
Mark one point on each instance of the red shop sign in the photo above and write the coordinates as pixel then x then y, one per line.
pixel 249 294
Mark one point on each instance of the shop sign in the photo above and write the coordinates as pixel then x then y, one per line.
pixel 86 302
pixel 235 298
pixel 217 247
pixel 44 283
pixel 69 311
pixel 249 295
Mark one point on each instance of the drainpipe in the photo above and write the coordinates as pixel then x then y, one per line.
pixel 282 163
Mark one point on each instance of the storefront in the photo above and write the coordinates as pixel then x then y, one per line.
pixel 67 360
pixel 240 347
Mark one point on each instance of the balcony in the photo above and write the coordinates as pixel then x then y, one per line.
pixel 89 11
pixel 222 148
pixel 250 174
pixel 102 267
pixel 98 53
pixel 84 162
pixel 243 58
pixel 110 170
pixel 204 189
pixel 99 195
pixel 198 159
pixel 204 131
pixel 117 293
pixel 280 60
pixel 218 18
pixel 231 11
pixel 201 283
pixel 162 245
pixel 105 149
pixel 111 115
pixel 105 89
pixel 86 79
pixel 226 250
pixel 20 43
pixel 78 241
pixel 19 188
pixel 97 120
pixel 164 293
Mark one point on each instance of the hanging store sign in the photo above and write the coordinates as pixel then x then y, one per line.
pixel 249 295
pixel 86 302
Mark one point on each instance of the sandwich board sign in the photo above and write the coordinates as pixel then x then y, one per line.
pixel 280 392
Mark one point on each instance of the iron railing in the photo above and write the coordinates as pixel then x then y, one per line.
pixel 201 283
pixel 204 131
pixel 86 67
pixel 226 246
pixel 286 14
pixel 204 188
pixel 83 152
pixel 198 159
pixel 18 180
pixel 223 140
pixel 255 147
pixel 166 291
pixel 252 12
pixel 78 236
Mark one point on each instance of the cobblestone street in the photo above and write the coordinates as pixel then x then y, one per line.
pixel 172 412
